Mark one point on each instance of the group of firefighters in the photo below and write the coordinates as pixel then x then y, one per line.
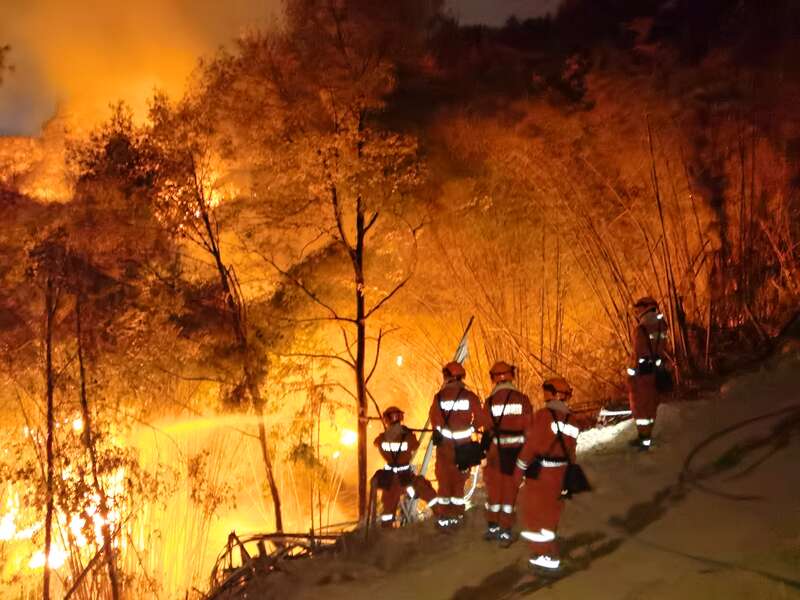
pixel 527 452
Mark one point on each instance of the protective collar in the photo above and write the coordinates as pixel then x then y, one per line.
pixel 454 383
pixel 503 385
pixel 557 405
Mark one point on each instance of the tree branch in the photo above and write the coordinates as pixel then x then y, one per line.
pixel 301 286
pixel 337 214
pixel 377 355
pixel 386 298
pixel 317 319
pixel 313 355
pixel 189 378
pixel 348 345
pixel 371 222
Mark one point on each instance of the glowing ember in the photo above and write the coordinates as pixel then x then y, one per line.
pixel 55 560
pixel 7 527
pixel 77 424
pixel 349 437
pixel 399 360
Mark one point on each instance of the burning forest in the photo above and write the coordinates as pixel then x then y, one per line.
pixel 207 304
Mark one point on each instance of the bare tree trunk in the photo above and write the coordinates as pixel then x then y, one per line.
pixel 234 302
pixel 108 549
pixel 48 340
pixel 361 339
pixel 265 455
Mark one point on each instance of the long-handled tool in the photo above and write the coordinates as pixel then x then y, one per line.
pixel 409 507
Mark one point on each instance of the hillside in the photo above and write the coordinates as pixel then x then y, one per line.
pixel 712 512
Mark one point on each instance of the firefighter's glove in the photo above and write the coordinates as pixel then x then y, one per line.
pixel 486 440
pixel 437 437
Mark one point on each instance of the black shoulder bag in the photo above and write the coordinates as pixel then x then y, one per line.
pixel 575 481
pixel 436 436
pixel 508 456
pixel 468 454
pixel 664 381
pixel 384 478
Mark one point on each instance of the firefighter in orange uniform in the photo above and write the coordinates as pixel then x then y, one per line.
pixel 510 411
pixel 397 445
pixel 649 340
pixel 550 442
pixel 455 415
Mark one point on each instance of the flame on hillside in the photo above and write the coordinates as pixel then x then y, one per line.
pixel 217 485
pixel 36 166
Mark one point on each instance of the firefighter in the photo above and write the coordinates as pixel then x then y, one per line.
pixel 397 445
pixel 649 339
pixel 550 442
pixel 455 415
pixel 510 411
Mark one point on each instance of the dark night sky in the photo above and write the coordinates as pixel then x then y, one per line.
pixel 85 54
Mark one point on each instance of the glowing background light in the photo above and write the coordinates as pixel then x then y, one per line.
pixel 55 560
pixel 349 437
pixel 7 527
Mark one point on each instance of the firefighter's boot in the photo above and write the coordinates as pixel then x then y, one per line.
pixel 506 538
pixel 492 532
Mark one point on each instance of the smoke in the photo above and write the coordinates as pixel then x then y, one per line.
pixel 82 55
pixel 495 12
pixel 85 54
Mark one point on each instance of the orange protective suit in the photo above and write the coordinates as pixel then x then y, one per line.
pixel 648 340
pixel 397 446
pixel 510 412
pixel 540 502
pixel 455 413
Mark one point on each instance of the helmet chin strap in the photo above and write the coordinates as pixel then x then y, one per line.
pixel 650 315
pixel 650 311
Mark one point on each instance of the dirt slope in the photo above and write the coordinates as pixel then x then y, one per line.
pixel 713 512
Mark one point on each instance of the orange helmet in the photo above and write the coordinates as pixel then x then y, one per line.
pixel 393 414
pixel 454 370
pixel 644 305
pixel 502 371
pixel 557 385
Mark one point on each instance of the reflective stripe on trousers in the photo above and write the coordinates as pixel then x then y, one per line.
pixel 541 536
pixel 496 508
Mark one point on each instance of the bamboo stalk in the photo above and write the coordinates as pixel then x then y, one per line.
pixel 50 309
